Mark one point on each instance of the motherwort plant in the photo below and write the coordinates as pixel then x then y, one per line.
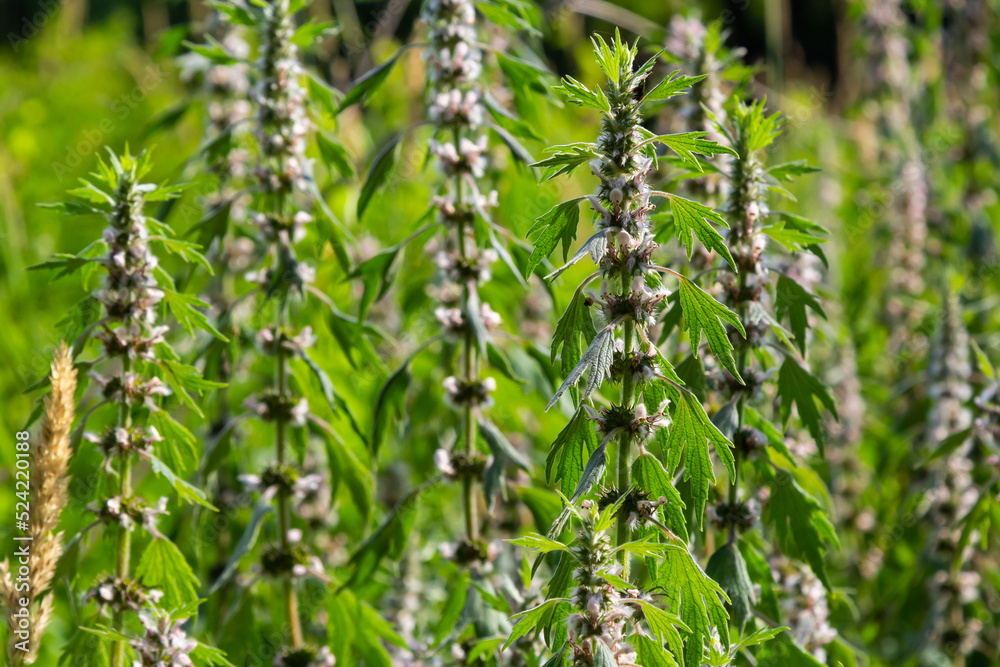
pixel 282 186
pixel 654 411
pixel 760 286
pixel 461 112
pixel 952 494
pixel 134 371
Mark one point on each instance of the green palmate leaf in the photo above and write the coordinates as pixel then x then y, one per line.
pixel 675 84
pixel 213 51
pixel 796 385
pixel 727 567
pixel 569 453
pixel 179 444
pixel 692 219
pixel 213 225
pixel 759 637
pixel 182 306
pixel 651 653
pixel 573 331
pixel 335 155
pixel 687 144
pixel 378 173
pixel 789 170
pixel 758 128
pixel 323 95
pixel 597 358
pixel 566 159
pixel 691 433
pixel 539 543
pixel 794 299
pixel 209 656
pixel 616 59
pixel 527 620
pixel 483 650
pixel 186 250
pixel 185 491
pixel 701 602
pixel 371 81
pixel 782 651
pixel 66 264
pixel 183 378
pixel 594 246
pixel 801 525
pixel 558 224
pixel 704 313
pixel 792 238
pixel 309 32
pixel 666 627
pixel 649 475
pixel 164 567
pixel 581 95
pixel 501 363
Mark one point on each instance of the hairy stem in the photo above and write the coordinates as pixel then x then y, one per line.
pixel 124 538
pixel 284 511
pixel 625 446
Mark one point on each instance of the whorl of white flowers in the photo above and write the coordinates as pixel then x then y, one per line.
pixel 599 618
pixel 282 122
pixel 455 106
pixel 804 605
pixel 949 372
pixel 164 644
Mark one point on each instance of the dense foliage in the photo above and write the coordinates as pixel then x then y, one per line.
pixel 498 333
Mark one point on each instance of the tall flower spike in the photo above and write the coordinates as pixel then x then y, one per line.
pixel 135 356
pixel 281 281
pixel 454 64
pixel 747 288
pixel 49 482
pixel 621 350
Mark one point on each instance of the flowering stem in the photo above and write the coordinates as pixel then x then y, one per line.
pixel 284 519
pixel 124 541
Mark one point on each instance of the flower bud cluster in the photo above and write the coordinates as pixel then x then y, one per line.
pixel 227 86
pixel 698 50
pixel 599 614
pixel 746 207
pixel 637 422
pixel 630 288
pixel 121 594
pixel 804 605
pixel 130 512
pixel 164 643
pixel 282 122
pixel 456 108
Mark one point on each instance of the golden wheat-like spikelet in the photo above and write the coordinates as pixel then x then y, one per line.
pixel 49 494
